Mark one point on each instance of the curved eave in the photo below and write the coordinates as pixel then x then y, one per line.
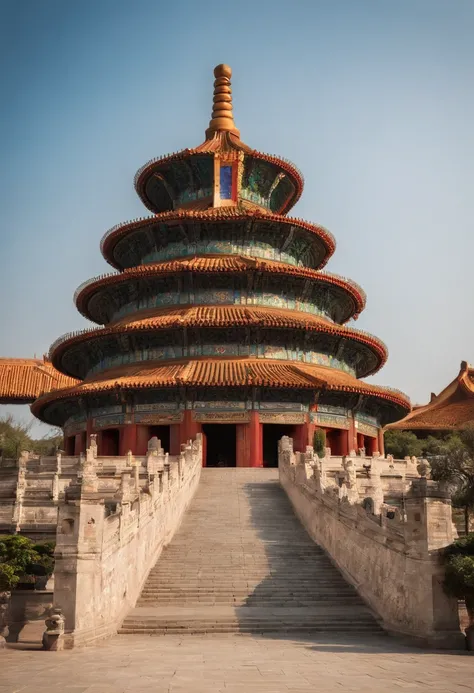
pixel 216 215
pixel 23 380
pixel 232 264
pixel 222 373
pixel 144 173
pixel 221 317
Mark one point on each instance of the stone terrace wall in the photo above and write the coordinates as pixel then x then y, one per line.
pixel 389 552
pixel 111 530
pixel 30 491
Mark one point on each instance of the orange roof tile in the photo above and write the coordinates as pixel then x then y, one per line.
pixel 213 214
pixel 452 409
pixel 220 316
pixel 207 372
pixel 23 380
pixel 219 264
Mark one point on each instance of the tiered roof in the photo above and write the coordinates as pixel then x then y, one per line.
pixel 225 373
pixel 221 264
pixel 215 215
pixel 223 316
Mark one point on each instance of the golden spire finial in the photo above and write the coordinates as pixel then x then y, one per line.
pixel 222 118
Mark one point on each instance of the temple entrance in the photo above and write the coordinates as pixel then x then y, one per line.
pixel 109 442
pixel 163 435
pixel 271 435
pixel 336 440
pixel 369 443
pixel 220 445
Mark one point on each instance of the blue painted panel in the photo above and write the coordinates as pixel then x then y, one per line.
pixel 226 182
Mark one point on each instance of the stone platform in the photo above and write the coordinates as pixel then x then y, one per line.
pixel 234 664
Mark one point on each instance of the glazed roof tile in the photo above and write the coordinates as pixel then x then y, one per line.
pixel 223 373
pixel 23 380
pixel 213 214
pixel 218 264
pixel 220 316
pixel 452 409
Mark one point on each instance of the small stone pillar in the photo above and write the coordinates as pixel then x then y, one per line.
pixel 4 606
pixel 53 636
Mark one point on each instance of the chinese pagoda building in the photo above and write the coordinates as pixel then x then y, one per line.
pixel 219 319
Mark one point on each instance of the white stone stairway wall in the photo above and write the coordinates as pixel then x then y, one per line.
pixel 242 562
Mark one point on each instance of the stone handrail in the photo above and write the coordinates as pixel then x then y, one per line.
pixel 106 546
pixel 389 551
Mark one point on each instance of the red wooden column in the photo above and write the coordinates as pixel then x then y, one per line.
pixel 189 427
pixel 128 439
pixel 78 445
pixel 175 439
pixel 204 449
pixel 346 438
pixel 242 452
pixel 142 438
pixel 351 436
pixel 381 443
pixel 303 435
pixel 256 441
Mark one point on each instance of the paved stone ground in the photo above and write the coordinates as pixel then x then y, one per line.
pixel 237 663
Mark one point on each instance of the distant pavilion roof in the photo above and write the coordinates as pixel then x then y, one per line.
pixel 452 409
pixel 23 380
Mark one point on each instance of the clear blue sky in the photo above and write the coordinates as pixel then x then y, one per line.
pixel 372 99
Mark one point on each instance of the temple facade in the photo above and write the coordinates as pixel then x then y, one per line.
pixel 219 319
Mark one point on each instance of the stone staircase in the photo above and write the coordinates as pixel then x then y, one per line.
pixel 242 563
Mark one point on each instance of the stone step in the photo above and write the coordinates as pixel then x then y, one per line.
pixel 242 563
pixel 244 601
pixel 248 627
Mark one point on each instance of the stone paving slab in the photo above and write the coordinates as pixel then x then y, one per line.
pixel 234 664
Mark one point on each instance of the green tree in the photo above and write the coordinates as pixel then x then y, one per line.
pixel 8 577
pixel 14 436
pixel 402 444
pixel 319 442
pixel 49 444
pixel 459 576
pixel 434 446
pixel 455 466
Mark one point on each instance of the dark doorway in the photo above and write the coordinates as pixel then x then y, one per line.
pixel 335 439
pixel 271 435
pixel 163 435
pixel 69 445
pixel 109 442
pixel 220 444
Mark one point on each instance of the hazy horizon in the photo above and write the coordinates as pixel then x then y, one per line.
pixel 372 100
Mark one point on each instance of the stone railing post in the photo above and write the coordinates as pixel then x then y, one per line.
pixel 79 539
pixel 350 481
pixel 20 491
pixel 428 529
pixel 124 493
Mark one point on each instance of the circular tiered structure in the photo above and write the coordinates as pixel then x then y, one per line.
pixel 220 319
